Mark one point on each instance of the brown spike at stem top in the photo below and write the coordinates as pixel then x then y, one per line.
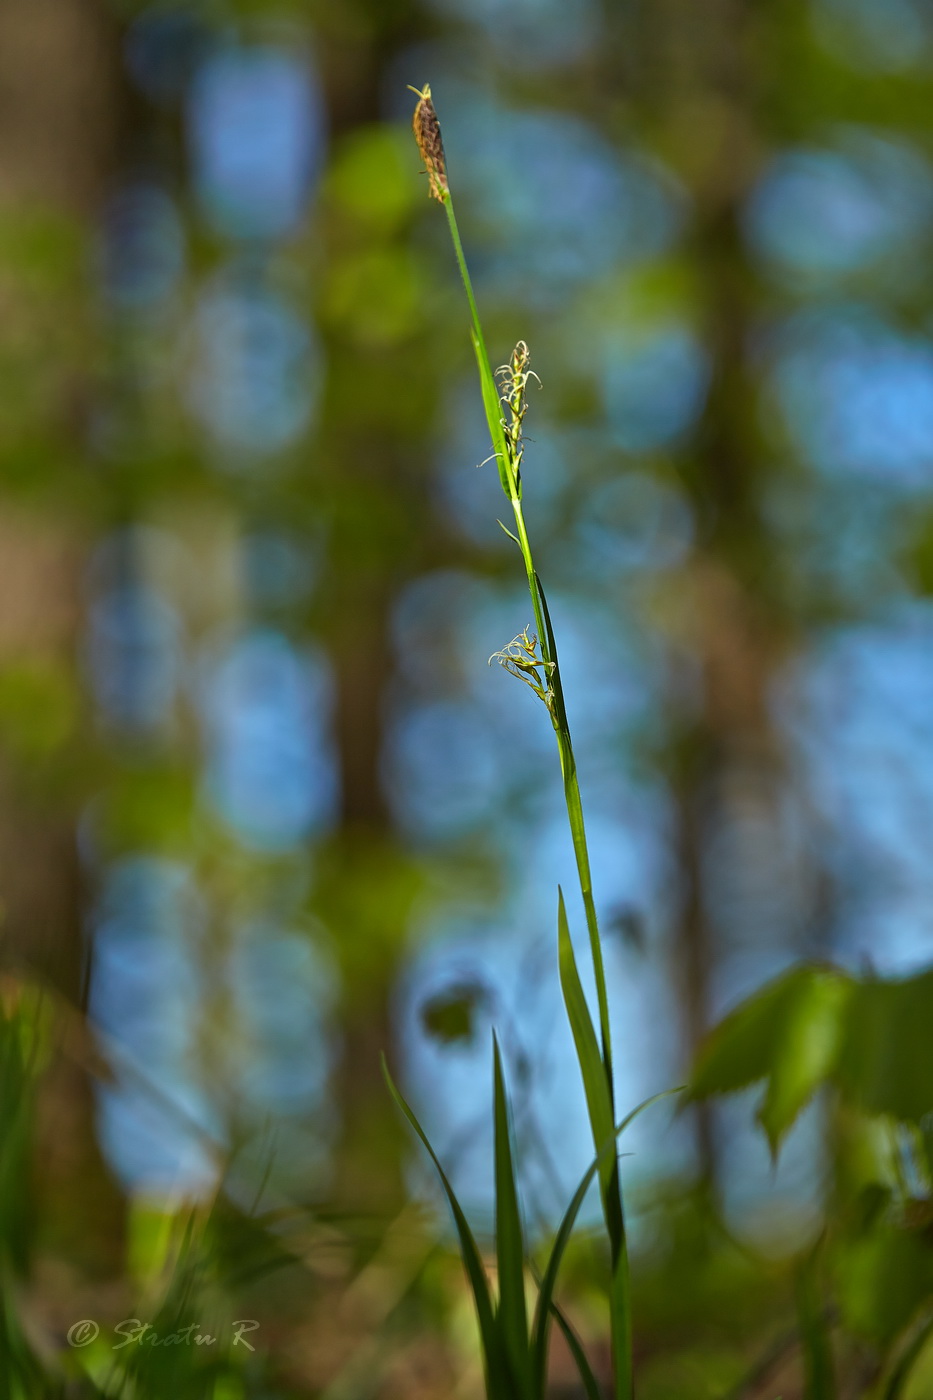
pixel 427 131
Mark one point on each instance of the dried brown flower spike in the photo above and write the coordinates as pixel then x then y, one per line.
pixel 428 135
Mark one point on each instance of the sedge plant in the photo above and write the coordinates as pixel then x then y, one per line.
pixel 534 659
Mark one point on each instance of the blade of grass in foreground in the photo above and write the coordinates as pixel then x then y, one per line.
pixel 516 1364
pixel 545 1304
pixel 600 1108
pixel 510 1250
pixel 590 1383
pixel 497 1371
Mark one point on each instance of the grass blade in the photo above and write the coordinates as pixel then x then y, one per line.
pixel 596 1088
pixel 596 1068
pixel 551 653
pixel 493 407
pixel 512 537
pixel 495 1362
pixel 539 1335
pixel 510 1251
pixel 592 1069
pixel 543 1308
pixel 590 1383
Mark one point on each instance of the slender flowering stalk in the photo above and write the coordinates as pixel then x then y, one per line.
pixel 534 659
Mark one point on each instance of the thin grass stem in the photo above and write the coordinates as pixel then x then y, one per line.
pixel 508 459
pixel 572 797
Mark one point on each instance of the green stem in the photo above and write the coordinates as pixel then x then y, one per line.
pixel 465 274
pixel 559 719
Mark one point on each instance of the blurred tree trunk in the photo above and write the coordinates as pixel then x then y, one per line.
pixel 59 66
pixel 367 884
pixel 700 82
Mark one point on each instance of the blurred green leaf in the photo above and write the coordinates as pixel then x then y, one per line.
pixel 450 1015
pixel 882 1278
pixel 807 1050
pixel 888 1050
pixel 742 1048
pixel 790 1033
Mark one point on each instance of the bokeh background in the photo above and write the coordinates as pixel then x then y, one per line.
pixel 265 811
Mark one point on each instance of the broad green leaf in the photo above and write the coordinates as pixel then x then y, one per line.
pixel 882 1278
pixel 510 1251
pixel 806 1052
pixel 888 1050
pixel 790 1033
pixel 743 1047
pixel 494 1360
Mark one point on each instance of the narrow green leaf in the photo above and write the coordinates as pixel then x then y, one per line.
pixel 596 1088
pixel 494 1360
pixel 560 709
pixel 551 641
pixel 620 1323
pixel 509 533
pixel 493 408
pixel 590 1383
pixel 543 1308
pixel 539 1336
pixel 510 1251
pixel 592 1069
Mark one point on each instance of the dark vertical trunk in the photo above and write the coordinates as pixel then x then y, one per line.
pixel 59 90
pixel 366 885
pixel 698 78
